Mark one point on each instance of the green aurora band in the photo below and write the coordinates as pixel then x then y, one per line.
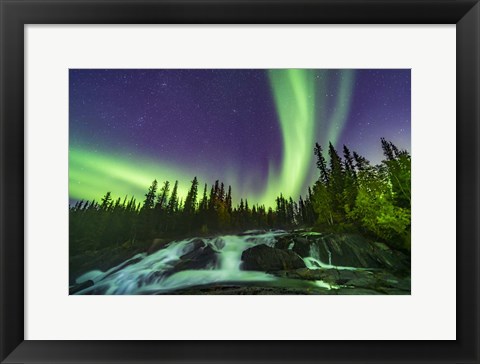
pixel 301 108
pixel 344 100
pixel 294 95
pixel 301 113
pixel 92 174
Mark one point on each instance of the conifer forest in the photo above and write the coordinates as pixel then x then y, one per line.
pixel 240 182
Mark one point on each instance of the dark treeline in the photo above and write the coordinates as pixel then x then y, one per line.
pixel 350 194
pixel 112 222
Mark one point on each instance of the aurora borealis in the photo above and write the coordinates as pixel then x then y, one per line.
pixel 252 129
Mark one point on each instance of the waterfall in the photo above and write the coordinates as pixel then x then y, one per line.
pixel 157 273
pixel 231 253
pixel 313 261
pixel 220 260
pixel 328 252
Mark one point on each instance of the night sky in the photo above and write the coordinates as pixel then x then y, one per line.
pixel 252 129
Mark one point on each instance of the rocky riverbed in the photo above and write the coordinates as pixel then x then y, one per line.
pixel 256 262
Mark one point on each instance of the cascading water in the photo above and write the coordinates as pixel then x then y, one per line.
pixel 156 273
pixel 329 254
pixel 231 253
pixel 314 261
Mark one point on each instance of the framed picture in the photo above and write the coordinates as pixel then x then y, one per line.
pixel 239 181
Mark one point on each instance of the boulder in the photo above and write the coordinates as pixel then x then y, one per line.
pixel 392 260
pixel 201 257
pixel 388 280
pixel 301 245
pixel 343 249
pixel 195 245
pixel 305 247
pixel 348 250
pixel 284 242
pixel 265 258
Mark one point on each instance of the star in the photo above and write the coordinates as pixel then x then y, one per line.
pixel 181 108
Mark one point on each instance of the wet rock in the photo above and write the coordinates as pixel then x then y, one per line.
pixel 301 273
pixel 157 244
pixel 265 258
pixel 155 276
pixel 131 261
pixel 79 287
pixel 388 280
pixel 219 244
pixel 195 244
pixel 379 281
pixel 284 242
pixel 301 240
pixel 395 291
pixel 392 260
pixel 404 284
pixel 356 291
pixel 203 257
pixel 362 282
pixel 302 246
pixel 346 275
pixel 362 279
pixel 246 290
pixel 330 276
pixel 348 250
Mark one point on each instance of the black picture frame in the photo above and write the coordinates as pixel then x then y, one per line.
pixel 17 13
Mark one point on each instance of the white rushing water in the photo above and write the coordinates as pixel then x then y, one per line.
pixel 314 261
pixel 155 273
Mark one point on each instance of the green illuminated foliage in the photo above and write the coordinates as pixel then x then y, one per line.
pixel 349 194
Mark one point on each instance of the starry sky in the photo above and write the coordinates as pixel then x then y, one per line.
pixel 253 129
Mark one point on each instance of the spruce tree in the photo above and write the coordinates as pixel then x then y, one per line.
pixel 149 201
pixel 173 201
pixel 321 163
pixel 106 201
pixel 229 199
pixel 204 201
pixel 162 197
pixel 191 199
